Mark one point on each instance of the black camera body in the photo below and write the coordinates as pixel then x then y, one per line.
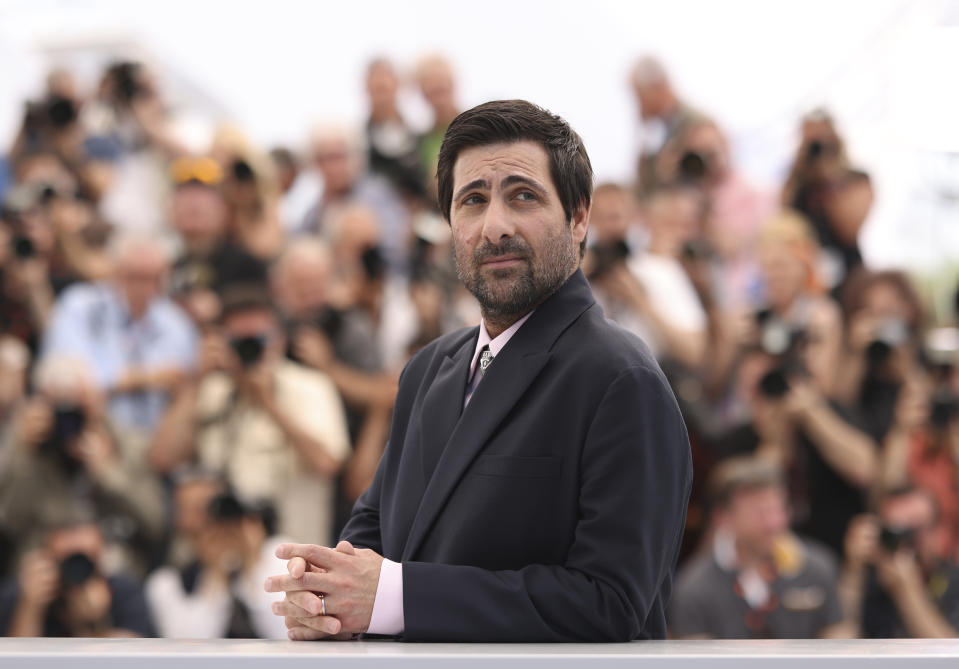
pixel 784 342
pixel 891 539
pixel 249 349
pixel 608 256
pixel 76 569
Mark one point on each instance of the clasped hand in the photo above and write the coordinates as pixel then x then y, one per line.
pixel 345 577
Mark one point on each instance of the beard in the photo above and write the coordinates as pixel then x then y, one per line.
pixel 516 290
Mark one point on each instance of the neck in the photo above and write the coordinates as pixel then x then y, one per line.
pixel 500 323
pixel 497 324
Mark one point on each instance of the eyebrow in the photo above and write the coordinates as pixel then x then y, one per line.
pixel 506 182
pixel 475 183
pixel 517 179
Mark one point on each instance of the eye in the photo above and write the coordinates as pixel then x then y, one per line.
pixel 474 198
pixel 526 196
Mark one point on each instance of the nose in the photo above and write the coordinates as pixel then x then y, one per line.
pixel 498 222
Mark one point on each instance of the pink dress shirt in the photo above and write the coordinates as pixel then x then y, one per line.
pixel 387 617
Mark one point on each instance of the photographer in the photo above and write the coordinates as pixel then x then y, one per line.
pixel 894 581
pixel 26 291
pixel 649 293
pixel 884 315
pixel 131 123
pixel 756 579
pixel 786 371
pixel 208 259
pixel 59 442
pixel 136 341
pixel 665 118
pixel 53 122
pixel 339 341
pixel 922 449
pixel 274 429
pixel 251 193
pixel 220 593
pixel 61 591
pixel 340 158
pixel 833 196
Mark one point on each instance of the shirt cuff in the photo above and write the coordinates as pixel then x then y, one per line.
pixel 387 617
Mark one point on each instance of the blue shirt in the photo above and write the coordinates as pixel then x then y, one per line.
pixel 90 321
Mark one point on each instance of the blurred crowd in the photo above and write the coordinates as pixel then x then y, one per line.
pixel 199 352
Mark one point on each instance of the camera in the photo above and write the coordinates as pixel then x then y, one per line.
pixel 226 507
pixel 890 334
pixel 76 569
pixel 943 409
pixel 23 248
pixel 891 539
pixel 693 167
pixel 784 342
pixel 69 420
pixel 607 256
pixel 249 349
pixel 243 172
pixel 374 263
pixel 818 149
pixel 126 78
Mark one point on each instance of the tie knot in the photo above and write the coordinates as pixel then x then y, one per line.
pixel 486 357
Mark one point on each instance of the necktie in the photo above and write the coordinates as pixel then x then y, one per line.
pixel 486 357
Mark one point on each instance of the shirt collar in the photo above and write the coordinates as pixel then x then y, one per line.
pixel 495 345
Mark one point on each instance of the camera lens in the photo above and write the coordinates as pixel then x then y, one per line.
pixel 76 569
pixel 248 349
pixel 23 248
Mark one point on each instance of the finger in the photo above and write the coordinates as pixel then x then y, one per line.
pixel 300 633
pixel 309 581
pixel 308 602
pixel 289 609
pixel 321 556
pixel 326 624
pixel 296 567
pixel 345 547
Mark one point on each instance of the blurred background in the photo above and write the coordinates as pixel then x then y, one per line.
pixel 219 244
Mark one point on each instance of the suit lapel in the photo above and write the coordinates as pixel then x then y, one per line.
pixel 502 387
pixel 443 405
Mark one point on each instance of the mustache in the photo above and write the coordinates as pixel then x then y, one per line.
pixel 513 246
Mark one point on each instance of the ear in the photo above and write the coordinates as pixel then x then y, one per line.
pixel 579 223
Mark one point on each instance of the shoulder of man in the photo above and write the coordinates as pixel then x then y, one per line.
pixel 603 346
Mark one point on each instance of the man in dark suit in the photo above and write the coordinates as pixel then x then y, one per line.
pixel 535 483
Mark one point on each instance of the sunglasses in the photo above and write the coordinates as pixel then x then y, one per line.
pixel 205 171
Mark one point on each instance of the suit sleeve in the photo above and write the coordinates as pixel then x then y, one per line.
pixel 635 480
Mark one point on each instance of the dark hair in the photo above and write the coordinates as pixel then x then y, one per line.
pixel 740 474
pixel 862 281
pixel 515 121
pixel 242 298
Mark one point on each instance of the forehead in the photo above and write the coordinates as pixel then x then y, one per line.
pixel 496 161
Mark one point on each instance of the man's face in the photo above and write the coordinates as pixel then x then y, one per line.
pixel 301 289
pixel 757 517
pixel 511 241
pixel 336 164
pixel 198 213
pixel 915 512
pixel 140 275
pixel 610 216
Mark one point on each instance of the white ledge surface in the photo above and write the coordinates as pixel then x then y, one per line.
pixel 184 654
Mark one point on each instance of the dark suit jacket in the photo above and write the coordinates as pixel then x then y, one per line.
pixel 552 507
